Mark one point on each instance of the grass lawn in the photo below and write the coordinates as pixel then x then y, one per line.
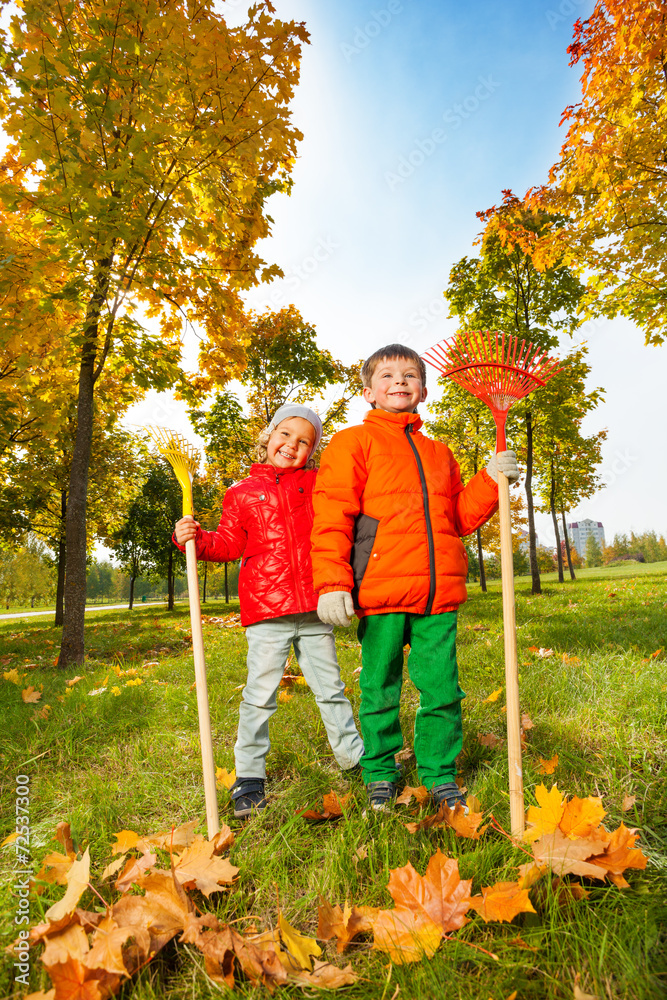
pixel 128 758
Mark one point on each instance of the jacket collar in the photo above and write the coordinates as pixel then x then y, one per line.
pixel 266 471
pixel 398 420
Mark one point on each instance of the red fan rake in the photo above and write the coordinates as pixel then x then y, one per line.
pixel 496 368
pixel 500 370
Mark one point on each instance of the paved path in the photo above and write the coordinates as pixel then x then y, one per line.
pixel 102 607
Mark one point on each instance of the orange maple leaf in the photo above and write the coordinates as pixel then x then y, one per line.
pixel 582 817
pixel 419 793
pixel 106 947
pixel 440 893
pixel 465 825
pixel 502 901
pixel 619 854
pixel 30 695
pixel 548 766
pixel 198 867
pixel 333 807
pixel 344 924
pixel 133 870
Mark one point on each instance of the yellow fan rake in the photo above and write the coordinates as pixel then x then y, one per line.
pixel 184 460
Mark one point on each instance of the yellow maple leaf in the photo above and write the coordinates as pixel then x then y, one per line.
pixel 493 696
pixel 299 946
pixel 502 902
pixel 548 766
pixel 77 879
pixel 225 778
pixel 545 817
pixel 30 695
pixel 12 675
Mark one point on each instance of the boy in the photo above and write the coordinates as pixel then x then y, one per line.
pixel 390 508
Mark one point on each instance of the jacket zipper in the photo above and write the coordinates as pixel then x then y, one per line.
pixel 427 515
pixel 290 542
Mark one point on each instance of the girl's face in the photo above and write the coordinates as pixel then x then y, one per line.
pixel 290 444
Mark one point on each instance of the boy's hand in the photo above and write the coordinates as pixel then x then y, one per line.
pixel 185 529
pixel 335 608
pixel 506 462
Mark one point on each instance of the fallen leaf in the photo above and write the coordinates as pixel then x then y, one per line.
pixel 420 794
pixel 491 740
pixel 30 695
pixel 582 817
pixel 326 976
pixel 440 893
pixel 299 946
pixel 55 868
pixel 77 879
pixel 578 992
pixel 519 942
pixel 198 867
pixel 620 853
pixel 284 695
pixel 113 867
pixel 493 696
pixel 134 870
pixel 74 981
pixel 9 839
pixel 360 854
pixel 71 942
pixel 225 778
pixel 545 817
pixel 106 947
pixel 456 818
pixel 548 766
pixel 565 856
pixel 526 721
pixel 628 802
pixel 502 901
pixel 156 917
pixel 175 838
pixel 344 924
pixel 12 676
pixel 126 840
pixel 333 807
pixel 74 680
pixel 405 935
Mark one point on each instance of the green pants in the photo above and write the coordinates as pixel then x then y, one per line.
pixel 434 672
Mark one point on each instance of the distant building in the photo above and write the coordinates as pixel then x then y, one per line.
pixel 524 544
pixel 579 531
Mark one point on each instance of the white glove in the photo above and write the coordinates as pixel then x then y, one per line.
pixel 335 608
pixel 506 462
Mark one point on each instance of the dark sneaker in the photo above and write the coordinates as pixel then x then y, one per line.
pixel 450 794
pixel 381 794
pixel 248 796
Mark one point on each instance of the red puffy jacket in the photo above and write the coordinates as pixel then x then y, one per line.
pixel 267 519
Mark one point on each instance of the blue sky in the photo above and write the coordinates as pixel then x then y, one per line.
pixel 416 114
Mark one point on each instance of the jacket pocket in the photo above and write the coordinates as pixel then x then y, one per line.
pixel 365 530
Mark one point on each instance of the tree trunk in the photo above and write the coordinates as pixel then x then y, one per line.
pixel 480 556
pixel 226 585
pixel 170 582
pixel 567 546
pixel 72 644
pixel 554 518
pixel 132 579
pixel 62 561
pixel 532 537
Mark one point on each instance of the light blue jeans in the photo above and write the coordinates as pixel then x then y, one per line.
pixel 269 644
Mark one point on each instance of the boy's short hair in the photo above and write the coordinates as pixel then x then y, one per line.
pixel 386 354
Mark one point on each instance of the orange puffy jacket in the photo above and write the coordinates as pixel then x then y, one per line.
pixel 390 508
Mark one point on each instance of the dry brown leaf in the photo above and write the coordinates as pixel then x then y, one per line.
pixel 223 839
pixel 73 681
pixel 71 942
pixel 579 994
pixel 77 879
pixel 106 947
pixel 41 995
pixel 155 917
pixel 74 981
pixel 491 740
pixel 198 867
pixel 133 870
pixel 464 826
pixel 360 854
pixel 405 935
pixel 526 721
pixel 344 924
pixel 326 976
pixel 565 856
pixel 628 802
pixel 529 874
pixel 174 839
pixel 519 942
pixel 333 807
pixel 502 902
pixel 420 794
pixel 30 695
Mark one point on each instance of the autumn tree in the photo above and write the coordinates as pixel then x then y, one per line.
pixel 145 138
pixel 593 551
pixel 611 178
pixel 517 286
pixel 566 459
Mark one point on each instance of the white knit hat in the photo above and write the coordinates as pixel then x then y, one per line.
pixel 297 410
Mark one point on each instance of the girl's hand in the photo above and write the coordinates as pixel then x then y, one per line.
pixel 186 529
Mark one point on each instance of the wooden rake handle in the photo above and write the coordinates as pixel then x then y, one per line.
pixel 511 665
pixel 210 792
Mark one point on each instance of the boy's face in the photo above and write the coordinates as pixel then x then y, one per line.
pixel 290 444
pixel 396 386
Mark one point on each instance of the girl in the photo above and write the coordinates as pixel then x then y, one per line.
pixel 266 519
